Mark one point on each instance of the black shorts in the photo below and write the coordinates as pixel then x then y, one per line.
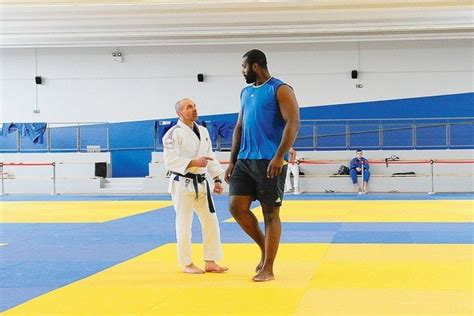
pixel 249 177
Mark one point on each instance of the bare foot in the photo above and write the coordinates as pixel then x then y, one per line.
pixel 192 269
pixel 263 276
pixel 259 266
pixel 213 267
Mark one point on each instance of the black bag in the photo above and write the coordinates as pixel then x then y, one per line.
pixel 404 174
pixel 343 171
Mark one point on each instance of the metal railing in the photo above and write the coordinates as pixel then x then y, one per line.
pixel 431 162
pixel 388 161
pixel 71 137
pixel 384 134
pixel 406 133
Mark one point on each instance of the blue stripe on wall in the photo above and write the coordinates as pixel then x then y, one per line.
pixel 444 106
pixel 455 105
pixel 131 143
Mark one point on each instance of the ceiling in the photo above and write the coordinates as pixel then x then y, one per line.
pixel 54 23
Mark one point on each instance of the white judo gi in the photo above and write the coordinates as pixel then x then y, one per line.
pixel 293 168
pixel 181 145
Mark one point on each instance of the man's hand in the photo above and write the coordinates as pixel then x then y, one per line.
pixel 218 188
pixel 358 169
pixel 228 172
pixel 274 167
pixel 201 162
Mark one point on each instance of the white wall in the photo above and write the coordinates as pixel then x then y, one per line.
pixel 447 177
pixel 87 85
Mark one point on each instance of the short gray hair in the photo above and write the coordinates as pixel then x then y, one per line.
pixel 178 106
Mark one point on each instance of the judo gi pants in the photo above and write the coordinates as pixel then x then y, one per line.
pixel 184 205
pixel 295 170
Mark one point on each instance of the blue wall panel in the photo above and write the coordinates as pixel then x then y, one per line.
pixel 64 138
pixel 462 135
pixel 305 138
pixel 432 135
pixel 331 136
pixel 131 144
pixel 8 142
pixel 93 135
pixel 364 136
pixel 397 135
pixel 139 135
pixel 130 163
pixel 27 145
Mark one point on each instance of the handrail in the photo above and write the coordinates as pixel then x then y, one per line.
pixel 387 161
pixel 431 162
pixel 26 164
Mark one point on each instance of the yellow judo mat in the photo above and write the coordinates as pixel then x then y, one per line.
pixel 312 279
pixel 443 211
pixel 291 211
pixel 74 211
pixel 337 257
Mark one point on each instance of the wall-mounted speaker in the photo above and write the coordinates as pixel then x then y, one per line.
pixel 354 74
pixel 38 80
pixel 200 77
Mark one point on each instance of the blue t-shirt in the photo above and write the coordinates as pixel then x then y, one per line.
pixel 356 163
pixel 262 122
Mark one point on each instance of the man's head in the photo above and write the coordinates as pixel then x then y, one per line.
pixel 253 62
pixel 359 153
pixel 186 110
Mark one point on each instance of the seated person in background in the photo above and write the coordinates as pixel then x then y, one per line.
pixel 293 168
pixel 360 165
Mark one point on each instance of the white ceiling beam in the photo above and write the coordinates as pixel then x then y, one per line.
pixel 99 24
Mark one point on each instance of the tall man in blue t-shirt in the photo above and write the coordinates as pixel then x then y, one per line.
pixel 266 129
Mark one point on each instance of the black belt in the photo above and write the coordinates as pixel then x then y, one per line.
pixel 199 178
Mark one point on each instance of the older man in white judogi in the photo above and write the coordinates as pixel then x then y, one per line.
pixel 188 155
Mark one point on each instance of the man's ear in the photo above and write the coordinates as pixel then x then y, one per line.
pixel 255 67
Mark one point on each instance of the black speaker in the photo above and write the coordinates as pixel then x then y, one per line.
pixel 101 169
pixel 354 74
pixel 38 80
pixel 200 77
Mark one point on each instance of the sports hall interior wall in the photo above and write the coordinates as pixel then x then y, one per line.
pixel 404 80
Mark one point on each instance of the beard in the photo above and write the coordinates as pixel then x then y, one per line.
pixel 251 77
